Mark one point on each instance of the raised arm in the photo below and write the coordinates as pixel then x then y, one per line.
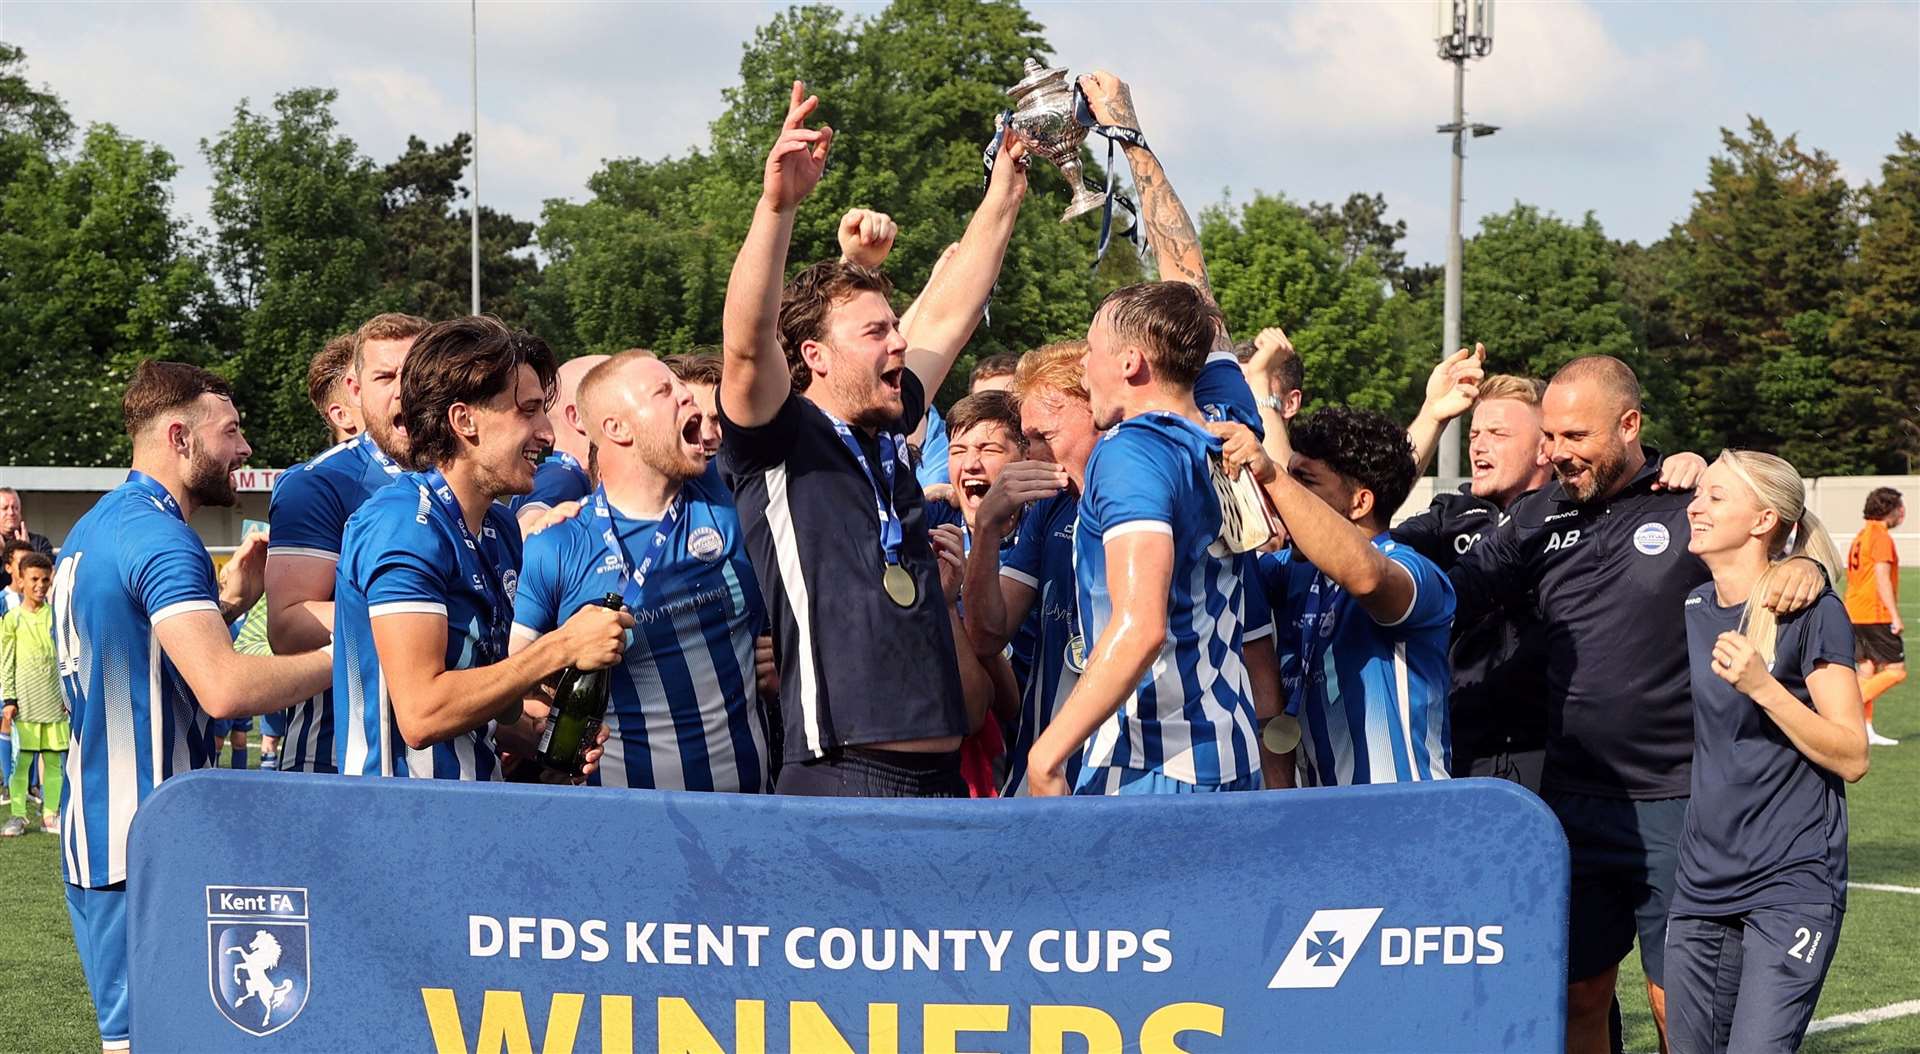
pixel 942 321
pixel 1170 230
pixel 756 380
pixel 1451 389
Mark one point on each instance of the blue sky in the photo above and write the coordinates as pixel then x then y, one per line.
pixel 1609 107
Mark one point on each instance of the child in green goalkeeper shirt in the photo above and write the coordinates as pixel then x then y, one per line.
pixel 30 698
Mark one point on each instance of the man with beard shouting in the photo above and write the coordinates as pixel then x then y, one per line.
pixel 140 629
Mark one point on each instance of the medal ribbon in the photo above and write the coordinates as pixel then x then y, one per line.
pixel 378 455
pixel 891 532
pixel 154 490
pixel 634 576
pixel 476 566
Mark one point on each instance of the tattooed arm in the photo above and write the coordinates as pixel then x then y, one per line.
pixel 1170 231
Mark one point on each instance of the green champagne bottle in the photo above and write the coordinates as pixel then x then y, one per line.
pixel 579 709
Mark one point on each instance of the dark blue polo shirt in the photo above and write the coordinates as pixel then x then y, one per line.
pixel 1766 826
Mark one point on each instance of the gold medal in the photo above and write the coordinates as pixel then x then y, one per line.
pixel 1281 734
pixel 1077 654
pixel 899 585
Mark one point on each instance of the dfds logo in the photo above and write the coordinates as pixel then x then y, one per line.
pixel 1332 939
pixel 257 960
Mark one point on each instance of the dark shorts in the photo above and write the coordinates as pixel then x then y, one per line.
pixel 1876 643
pixel 1625 854
pixel 223 728
pixel 857 772
pixel 1518 766
pixel 1747 982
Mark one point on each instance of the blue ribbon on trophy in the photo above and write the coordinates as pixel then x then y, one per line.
pixel 1053 120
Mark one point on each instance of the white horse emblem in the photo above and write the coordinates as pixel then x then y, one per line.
pixel 257 960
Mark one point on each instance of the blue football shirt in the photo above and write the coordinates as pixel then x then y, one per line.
pixel 308 515
pixel 685 712
pixel 128 565
pixel 560 478
pixel 1191 717
pixel 401 554
pixel 1371 696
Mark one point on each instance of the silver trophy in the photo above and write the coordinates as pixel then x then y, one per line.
pixel 1043 119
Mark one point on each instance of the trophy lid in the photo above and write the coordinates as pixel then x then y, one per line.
pixel 1037 77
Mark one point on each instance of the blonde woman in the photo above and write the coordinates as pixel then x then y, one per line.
pixel 1778 732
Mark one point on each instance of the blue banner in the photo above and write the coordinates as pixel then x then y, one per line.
pixel 414 915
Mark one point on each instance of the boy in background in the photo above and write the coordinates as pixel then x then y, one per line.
pixel 30 696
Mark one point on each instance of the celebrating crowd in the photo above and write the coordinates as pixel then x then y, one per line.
pixel 1119 566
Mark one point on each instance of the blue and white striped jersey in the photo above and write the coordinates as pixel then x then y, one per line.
pixel 308 514
pixel 1371 696
pixel 1191 718
pixel 686 714
pixel 558 479
pixel 130 564
pixel 401 554
pixel 1042 560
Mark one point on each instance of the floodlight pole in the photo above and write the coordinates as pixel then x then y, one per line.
pixel 473 68
pixel 1464 30
pixel 1450 328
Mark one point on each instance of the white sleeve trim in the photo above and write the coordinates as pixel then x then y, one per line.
pixel 1412 603
pixel 182 608
pixel 299 550
pixel 1021 577
pixel 1136 527
pixel 522 631
pixel 532 506
pixel 1257 634
pixel 1223 356
pixel 407 607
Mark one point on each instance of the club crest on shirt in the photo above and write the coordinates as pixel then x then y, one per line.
pixel 258 970
pixel 705 544
pixel 510 584
pixel 1651 538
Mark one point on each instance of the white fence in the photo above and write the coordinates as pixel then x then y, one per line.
pixel 55 497
pixel 1835 499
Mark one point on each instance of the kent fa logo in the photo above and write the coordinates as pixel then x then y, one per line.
pixel 1326 947
pixel 257 961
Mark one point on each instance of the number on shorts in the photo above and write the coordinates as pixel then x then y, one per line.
pixel 1799 949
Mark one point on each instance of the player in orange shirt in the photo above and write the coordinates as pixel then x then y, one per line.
pixel 1873 592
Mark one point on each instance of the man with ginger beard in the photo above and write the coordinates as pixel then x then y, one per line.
pixel 140 631
pixel 1599 556
pixel 308 515
pixel 661 530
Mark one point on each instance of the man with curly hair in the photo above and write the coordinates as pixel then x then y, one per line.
pixel 1370 616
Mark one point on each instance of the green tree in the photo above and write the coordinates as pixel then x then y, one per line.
pixel 1271 267
pixel 1879 400
pixel 426 265
pixel 297 249
pixel 95 274
pixel 910 92
pixel 33 122
pixel 1759 284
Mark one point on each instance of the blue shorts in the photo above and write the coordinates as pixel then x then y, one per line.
pixel 275 724
pixel 1747 982
pixel 100 933
pixel 1142 781
pixel 223 728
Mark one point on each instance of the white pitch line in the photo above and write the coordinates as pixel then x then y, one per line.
pixel 1866 1017
pixel 1882 888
